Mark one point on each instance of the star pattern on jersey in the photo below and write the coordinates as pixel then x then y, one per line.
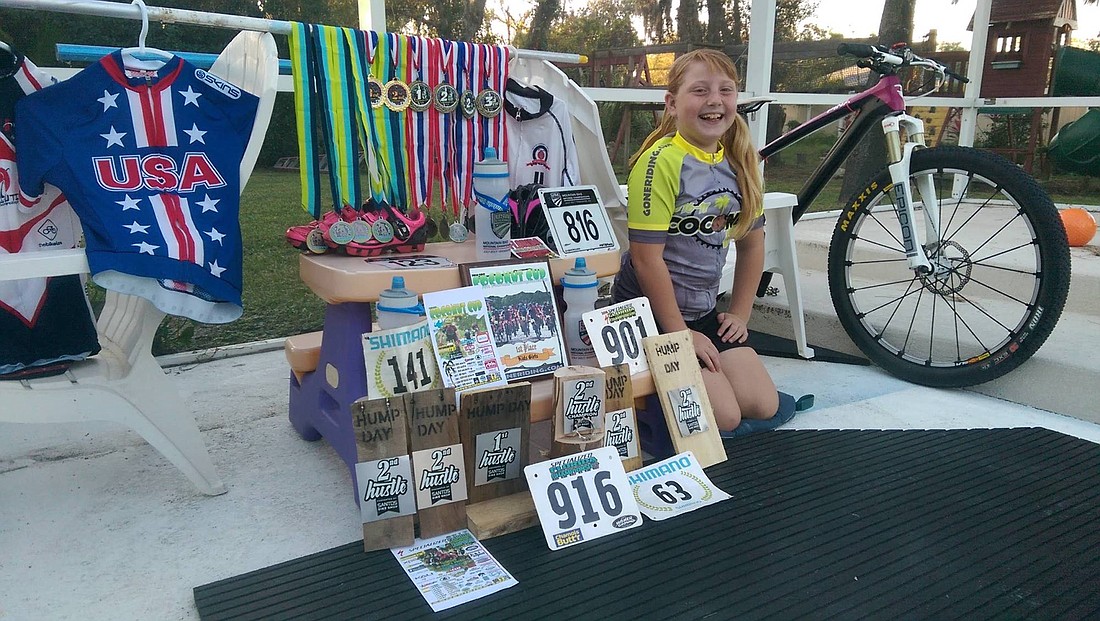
pixel 108 100
pixel 216 269
pixel 136 228
pixel 209 204
pixel 215 236
pixel 145 247
pixel 195 134
pixel 114 137
pixel 190 96
pixel 129 203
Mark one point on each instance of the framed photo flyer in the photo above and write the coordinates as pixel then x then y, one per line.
pixel 463 339
pixel 523 315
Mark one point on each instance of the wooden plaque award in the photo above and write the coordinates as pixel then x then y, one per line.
pixel 495 425
pixel 383 473
pixel 679 384
pixel 579 394
pixel 620 421
pixel 439 468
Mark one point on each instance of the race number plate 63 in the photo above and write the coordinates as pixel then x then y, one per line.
pixel 617 332
pixel 582 497
pixel 578 220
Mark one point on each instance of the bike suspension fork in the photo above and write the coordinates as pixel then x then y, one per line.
pixel 900 155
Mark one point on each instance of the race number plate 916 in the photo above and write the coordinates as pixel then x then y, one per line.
pixel 582 497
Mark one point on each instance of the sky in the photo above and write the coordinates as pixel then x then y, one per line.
pixel 950 20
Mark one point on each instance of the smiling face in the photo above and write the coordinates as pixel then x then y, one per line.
pixel 704 104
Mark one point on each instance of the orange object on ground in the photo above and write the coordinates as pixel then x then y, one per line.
pixel 1080 225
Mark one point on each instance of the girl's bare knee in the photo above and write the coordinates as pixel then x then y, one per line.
pixel 726 415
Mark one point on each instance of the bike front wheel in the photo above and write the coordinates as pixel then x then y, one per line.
pixel 1001 274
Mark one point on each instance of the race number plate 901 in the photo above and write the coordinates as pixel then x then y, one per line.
pixel 582 497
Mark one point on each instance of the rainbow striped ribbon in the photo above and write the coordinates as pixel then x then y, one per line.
pixel 356 41
pixel 309 163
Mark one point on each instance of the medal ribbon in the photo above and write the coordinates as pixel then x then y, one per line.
pixel 416 129
pixel 499 81
pixel 309 165
pixel 396 124
pixel 379 68
pixel 322 110
pixel 343 144
pixel 464 138
pixel 449 72
pixel 357 41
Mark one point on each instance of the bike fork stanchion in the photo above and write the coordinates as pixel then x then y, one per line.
pixel 899 156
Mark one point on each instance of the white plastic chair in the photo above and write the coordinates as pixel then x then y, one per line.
pixel 124 383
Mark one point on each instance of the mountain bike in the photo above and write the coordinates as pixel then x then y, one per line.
pixel 950 267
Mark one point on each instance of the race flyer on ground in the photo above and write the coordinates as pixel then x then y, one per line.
pixel 463 339
pixel 452 569
pixel 399 361
pixel 522 313
pixel 673 487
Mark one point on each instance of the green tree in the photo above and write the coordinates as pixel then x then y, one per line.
pixel 457 20
pixel 688 27
pixel 600 25
pixel 546 12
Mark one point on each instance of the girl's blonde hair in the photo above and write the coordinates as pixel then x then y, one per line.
pixel 736 143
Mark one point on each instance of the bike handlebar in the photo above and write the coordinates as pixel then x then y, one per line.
pixel 884 59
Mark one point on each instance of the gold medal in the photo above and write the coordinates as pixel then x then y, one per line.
pixel 468 102
pixel 375 91
pixel 420 96
pixel 396 95
pixel 446 98
pixel 489 103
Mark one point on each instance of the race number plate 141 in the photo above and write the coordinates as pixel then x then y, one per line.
pixel 582 497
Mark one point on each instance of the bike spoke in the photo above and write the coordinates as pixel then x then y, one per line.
pixel 998 232
pixel 998 291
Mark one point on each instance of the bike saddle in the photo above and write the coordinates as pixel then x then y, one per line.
pixel 752 104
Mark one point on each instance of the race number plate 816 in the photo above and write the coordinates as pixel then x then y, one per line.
pixel 582 497
pixel 578 220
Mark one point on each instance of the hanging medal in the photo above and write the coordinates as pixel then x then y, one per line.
pixel 376 91
pixel 397 93
pixel 445 97
pixel 489 101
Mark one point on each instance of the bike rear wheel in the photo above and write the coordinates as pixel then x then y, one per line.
pixel 1002 281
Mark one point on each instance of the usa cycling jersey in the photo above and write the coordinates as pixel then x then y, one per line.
pixel 150 160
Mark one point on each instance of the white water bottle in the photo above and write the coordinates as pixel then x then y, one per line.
pixel 492 219
pixel 397 306
pixel 579 289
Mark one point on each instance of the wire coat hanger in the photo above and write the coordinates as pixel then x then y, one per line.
pixel 142 57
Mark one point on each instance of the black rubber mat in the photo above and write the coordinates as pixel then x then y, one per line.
pixel 965 524
pixel 780 347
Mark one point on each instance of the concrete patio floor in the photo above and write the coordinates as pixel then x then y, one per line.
pixel 95 524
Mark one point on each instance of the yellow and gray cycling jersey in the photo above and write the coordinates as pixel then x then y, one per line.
pixel 689 200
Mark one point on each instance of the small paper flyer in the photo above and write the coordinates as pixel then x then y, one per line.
pixel 452 569
pixel 673 487
pixel 463 338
